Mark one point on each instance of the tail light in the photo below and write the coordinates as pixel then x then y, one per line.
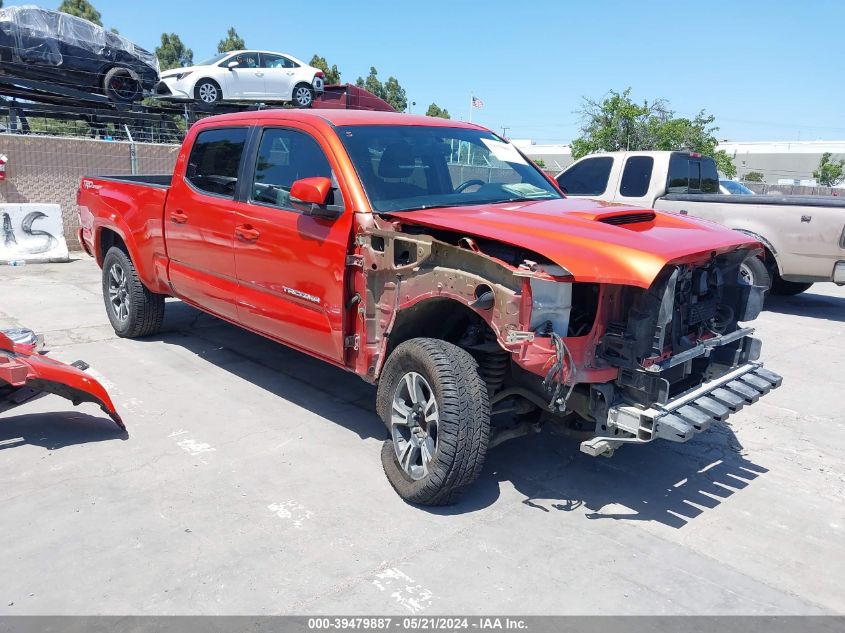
pixel 319 73
pixel 3 160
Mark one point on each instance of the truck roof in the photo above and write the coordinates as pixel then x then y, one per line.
pixel 339 117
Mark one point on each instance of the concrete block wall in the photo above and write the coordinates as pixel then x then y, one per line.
pixel 49 169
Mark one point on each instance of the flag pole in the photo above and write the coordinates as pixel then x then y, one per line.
pixel 470 107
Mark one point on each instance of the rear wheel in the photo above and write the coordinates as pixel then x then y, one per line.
pixel 120 85
pixel 303 96
pixel 434 403
pixel 132 309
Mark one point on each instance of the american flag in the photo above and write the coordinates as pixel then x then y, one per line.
pixel 477 103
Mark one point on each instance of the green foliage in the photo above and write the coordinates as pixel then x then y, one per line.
pixel 540 163
pixel 754 176
pixel 81 9
pixel 332 73
pixel 173 53
pixel 436 110
pixel 391 91
pixel 618 123
pixel 829 173
pixel 232 42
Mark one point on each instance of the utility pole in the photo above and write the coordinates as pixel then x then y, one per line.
pixel 505 132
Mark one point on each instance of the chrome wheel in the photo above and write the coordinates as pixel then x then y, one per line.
pixel 413 425
pixel 745 274
pixel 303 96
pixel 208 93
pixel 118 292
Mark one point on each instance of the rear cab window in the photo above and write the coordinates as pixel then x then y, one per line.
pixel 587 178
pixel 215 160
pixel 689 173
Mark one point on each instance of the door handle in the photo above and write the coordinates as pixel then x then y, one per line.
pixel 246 233
pixel 290 72
pixel 259 74
pixel 178 217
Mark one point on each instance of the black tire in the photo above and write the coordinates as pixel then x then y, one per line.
pixel 208 91
pixel 462 426
pixel 754 271
pixel 144 310
pixel 302 96
pixel 120 85
pixel 788 288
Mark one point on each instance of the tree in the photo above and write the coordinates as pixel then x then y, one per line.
pixel 618 123
pixel 81 9
pixel 173 53
pixel 390 91
pixel 753 176
pixel 332 74
pixel 436 110
pixel 540 163
pixel 829 173
pixel 232 42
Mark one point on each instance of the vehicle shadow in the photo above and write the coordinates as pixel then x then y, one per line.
pixel 809 305
pixel 57 429
pixel 307 382
pixel 662 482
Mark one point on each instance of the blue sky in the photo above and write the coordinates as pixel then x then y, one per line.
pixel 767 70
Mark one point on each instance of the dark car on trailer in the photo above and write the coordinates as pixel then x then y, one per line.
pixel 43 45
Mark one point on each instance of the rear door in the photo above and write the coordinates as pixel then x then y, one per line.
pixel 279 75
pixel 291 267
pixel 200 220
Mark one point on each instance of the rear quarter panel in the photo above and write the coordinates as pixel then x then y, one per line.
pixel 135 212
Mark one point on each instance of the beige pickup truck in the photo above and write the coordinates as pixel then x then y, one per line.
pixel 804 236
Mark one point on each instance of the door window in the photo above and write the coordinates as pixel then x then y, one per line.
pixel 587 178
pixel 215 159
pixel 244 60
pixel 285 156
pixel 636 176
pixel 270 60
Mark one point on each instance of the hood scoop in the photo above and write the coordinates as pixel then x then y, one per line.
pixel 627 218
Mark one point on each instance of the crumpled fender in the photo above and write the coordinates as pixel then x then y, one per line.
pixel 22 367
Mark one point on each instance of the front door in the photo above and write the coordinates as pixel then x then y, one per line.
pixel 199 221
pixel 246 80
pixel 291 267
pixel 279 75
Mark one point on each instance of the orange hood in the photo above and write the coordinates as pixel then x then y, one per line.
pixel 572 234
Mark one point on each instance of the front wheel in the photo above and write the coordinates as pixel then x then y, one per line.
pixel 788 288
pixel 303 96
pixel 753 271
pixel 434 403
pixel 132 309
pixel 120 85
pixel 208 91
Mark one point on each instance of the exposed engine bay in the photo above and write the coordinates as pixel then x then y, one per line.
pixel 606 358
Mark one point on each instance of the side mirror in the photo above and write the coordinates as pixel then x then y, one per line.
pixel 232 65
pixel 310 195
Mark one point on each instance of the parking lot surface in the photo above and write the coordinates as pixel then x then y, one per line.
pixel 250 483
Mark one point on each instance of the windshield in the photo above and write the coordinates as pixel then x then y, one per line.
pixel 736 188
pixel 213 60
pixel 406 167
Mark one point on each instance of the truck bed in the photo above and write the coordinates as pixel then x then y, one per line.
pixel 154 180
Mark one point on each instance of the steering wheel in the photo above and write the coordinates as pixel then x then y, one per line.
pixel 469 183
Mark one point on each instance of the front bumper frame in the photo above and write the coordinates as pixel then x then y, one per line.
pixel 689 413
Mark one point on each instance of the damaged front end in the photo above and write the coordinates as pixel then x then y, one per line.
pixel 627 364
pixel 25 374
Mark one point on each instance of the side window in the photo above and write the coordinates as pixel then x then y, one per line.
pixel 245 60
pixel 678 179
pixel 269 60
pixel 587 178
pixel 636 176
pixel 215 159
pixel 285 156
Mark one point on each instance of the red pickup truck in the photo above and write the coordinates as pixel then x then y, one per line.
pixel 431 258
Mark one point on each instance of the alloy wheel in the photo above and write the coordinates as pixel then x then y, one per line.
pixel 414 421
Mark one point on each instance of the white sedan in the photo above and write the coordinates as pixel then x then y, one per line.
pixel 244 76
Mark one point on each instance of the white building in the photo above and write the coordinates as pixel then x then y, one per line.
pixel 790 161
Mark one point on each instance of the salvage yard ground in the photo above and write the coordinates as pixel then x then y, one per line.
pixel 250 483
